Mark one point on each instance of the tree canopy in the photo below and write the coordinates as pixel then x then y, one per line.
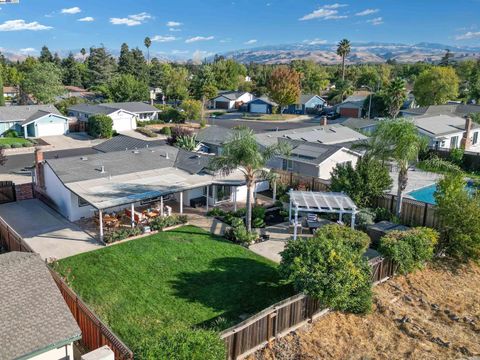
pixel 436 86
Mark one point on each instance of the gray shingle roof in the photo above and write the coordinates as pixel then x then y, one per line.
pixel 123 142
pixel 23 112
pixel 214 135
pixel 39 114
pixel 441 124
pixel 108 108
pixel 450 109
pixel 306 98
pixel 230 95
pixel 358 123
pixel 310 153
pixel 33 315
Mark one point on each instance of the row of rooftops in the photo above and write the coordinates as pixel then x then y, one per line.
pixel 234 95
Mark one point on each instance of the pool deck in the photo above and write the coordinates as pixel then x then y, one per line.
pixel 417 179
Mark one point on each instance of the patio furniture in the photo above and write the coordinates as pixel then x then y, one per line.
pixel 198 202
pixel 137 217
pixel 378 230
pixel 314 225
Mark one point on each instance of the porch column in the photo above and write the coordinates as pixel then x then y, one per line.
pixel 208 195
pixel 340 217
pixel 290 211
pixel 353 221
pixel 274 190
pixel 235 198
pixel 161 206
pixel 181 202
pixel 100 219
pixel 132 215
pixel 295 225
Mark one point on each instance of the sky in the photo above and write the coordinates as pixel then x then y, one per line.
pixel 199 28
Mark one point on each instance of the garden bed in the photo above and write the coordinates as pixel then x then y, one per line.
pixel 14 142
pixel 168 295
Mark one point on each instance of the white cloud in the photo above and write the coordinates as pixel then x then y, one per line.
pixel 131 20
pixel 199 38
pixel 174 29
pixel 27 50
pixel 326 12
pixel 173 23
pixel 468 35
pixel 72 10
pixel 367 12
pixel 376 21
pixel 250 42
pixel 162 39
pixel 20 25
pixel 315 42
pixel 87 19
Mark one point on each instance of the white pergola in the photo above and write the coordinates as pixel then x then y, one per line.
pixel 320 202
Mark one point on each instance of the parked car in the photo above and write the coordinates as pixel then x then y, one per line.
pixel 332 115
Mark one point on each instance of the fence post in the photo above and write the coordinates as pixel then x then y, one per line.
pixel 291 178
pixel 313 184
pixel 425 211
pixel 391 203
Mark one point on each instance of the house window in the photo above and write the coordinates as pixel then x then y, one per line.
pixel 224 192
pixel 210 191
pixel 475 138
pixel 453 142
pixel 82 202
pixel 287 164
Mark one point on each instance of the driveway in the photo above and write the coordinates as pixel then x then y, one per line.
pixel 46 231
pixel 71 141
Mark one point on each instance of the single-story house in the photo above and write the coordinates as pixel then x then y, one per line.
pixel 212 139
pixel 82 187
pixel 352 106
pixel 261 105
pixel 124 115
pixel 36 323
pixel 79 92
pixel 229 100
pixel 11 93
pixel 365 126
pixel 449 109
pixel 33 121
pixel 307 104
pixel 449 132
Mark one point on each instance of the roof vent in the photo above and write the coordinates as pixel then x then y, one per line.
pixel 102 169
pixel 135 151
pixel 84 158
pixel 166 155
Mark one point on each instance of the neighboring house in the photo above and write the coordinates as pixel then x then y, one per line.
pixel 33 121
pixel 11 94
pixel 124 115
pixel 78 187
pixel 229 100
pixel 450 109
pixel 212 139
pixel 312 159
pixel 76 91
pixel 35 321
pixel 352 106
pixel 307 104
pixel 449 132
pixel 364 126
pixel 261 105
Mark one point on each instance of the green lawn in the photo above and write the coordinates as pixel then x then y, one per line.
pixel 270 117
pixel 13 140
pixel 160 293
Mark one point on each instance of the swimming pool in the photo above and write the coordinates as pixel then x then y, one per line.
pixel 425 194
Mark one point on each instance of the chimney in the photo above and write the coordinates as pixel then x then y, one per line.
pixel 38 155
pixel 466 139
pixel 39 177
pixel 323 121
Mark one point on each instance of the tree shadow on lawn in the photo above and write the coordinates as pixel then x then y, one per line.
pixel 233 286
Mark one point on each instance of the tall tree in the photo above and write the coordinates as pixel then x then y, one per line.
pixel 45 55
pixel 148 42
pixel 343 49
pixel 71 71
pixel 314 77
pixel 83 52
pixel 396 94
pixel 228 73
pixel 140 68
pixel 125 60
pixel 203 86
pixel 242 152
pixel 125 87
pixel 2 97
pixel 447 58
pixel 400 142
pixel 284 86
pixel 342 90
pixel 44 82
pixel 100 67
pixel 436 86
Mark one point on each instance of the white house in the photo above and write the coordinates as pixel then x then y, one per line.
pixel 229 100
pixel 449 131
pixel 33 121
pixel 36 323
pixel 124 115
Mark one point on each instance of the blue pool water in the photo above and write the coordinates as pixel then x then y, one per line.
pixel 426 194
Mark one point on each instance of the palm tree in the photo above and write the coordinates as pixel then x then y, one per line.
pixel 343 49
pixel 400 142
pixel 342 90
pixel 147 42
pixel 396 94
pixel 242 152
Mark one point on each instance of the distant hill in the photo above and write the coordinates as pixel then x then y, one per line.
pixel 361 53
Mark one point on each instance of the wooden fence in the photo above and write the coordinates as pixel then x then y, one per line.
pixel 95 333
pixel 288 315
pixel 10 240
pixel 7 192
pixel 308 183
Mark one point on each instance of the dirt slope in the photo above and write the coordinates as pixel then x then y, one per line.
pixel 431 314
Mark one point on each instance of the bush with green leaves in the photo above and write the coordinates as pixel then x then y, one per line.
pixel 258 212
pixel 166 131
pixel 410 249
pixel 100 126
pixel 258 223
pixel 238 232
pixel 16 145
pixel 160 223
pixel 456 156
pixel 147 132
pixel 5 146
pixel 459 212
pixel 186 142
pixel 10 133
pixel 330 267
pixel 121 234
pixel 216 212
pixel 170 114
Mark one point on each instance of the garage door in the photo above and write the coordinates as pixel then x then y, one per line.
pixel 349 112
pixel 222 105
pixel 122 124
pixel 258 108
pixel 50 129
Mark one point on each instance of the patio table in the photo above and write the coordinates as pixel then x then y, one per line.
pixel 314 225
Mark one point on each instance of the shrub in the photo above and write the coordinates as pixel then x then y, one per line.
pixel 177 132
pixel 258 223
pixel 166 131
pixel 278 203
pixel 27 144
pixel 146 132
pixel 238 233
pixel 258 212
pixel 160 223
pixel 16 145
pixel 330 267
pixel 170 114
pixel 216 212
pixel 100 126
pixel 382 214
pixel 186 142
pixel 409 249
pixel 10 133
pixel 5 146
pixel 121 234
pixel 456 156
pixel 240 212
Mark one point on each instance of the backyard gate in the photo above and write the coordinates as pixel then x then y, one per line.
pixel 7 192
